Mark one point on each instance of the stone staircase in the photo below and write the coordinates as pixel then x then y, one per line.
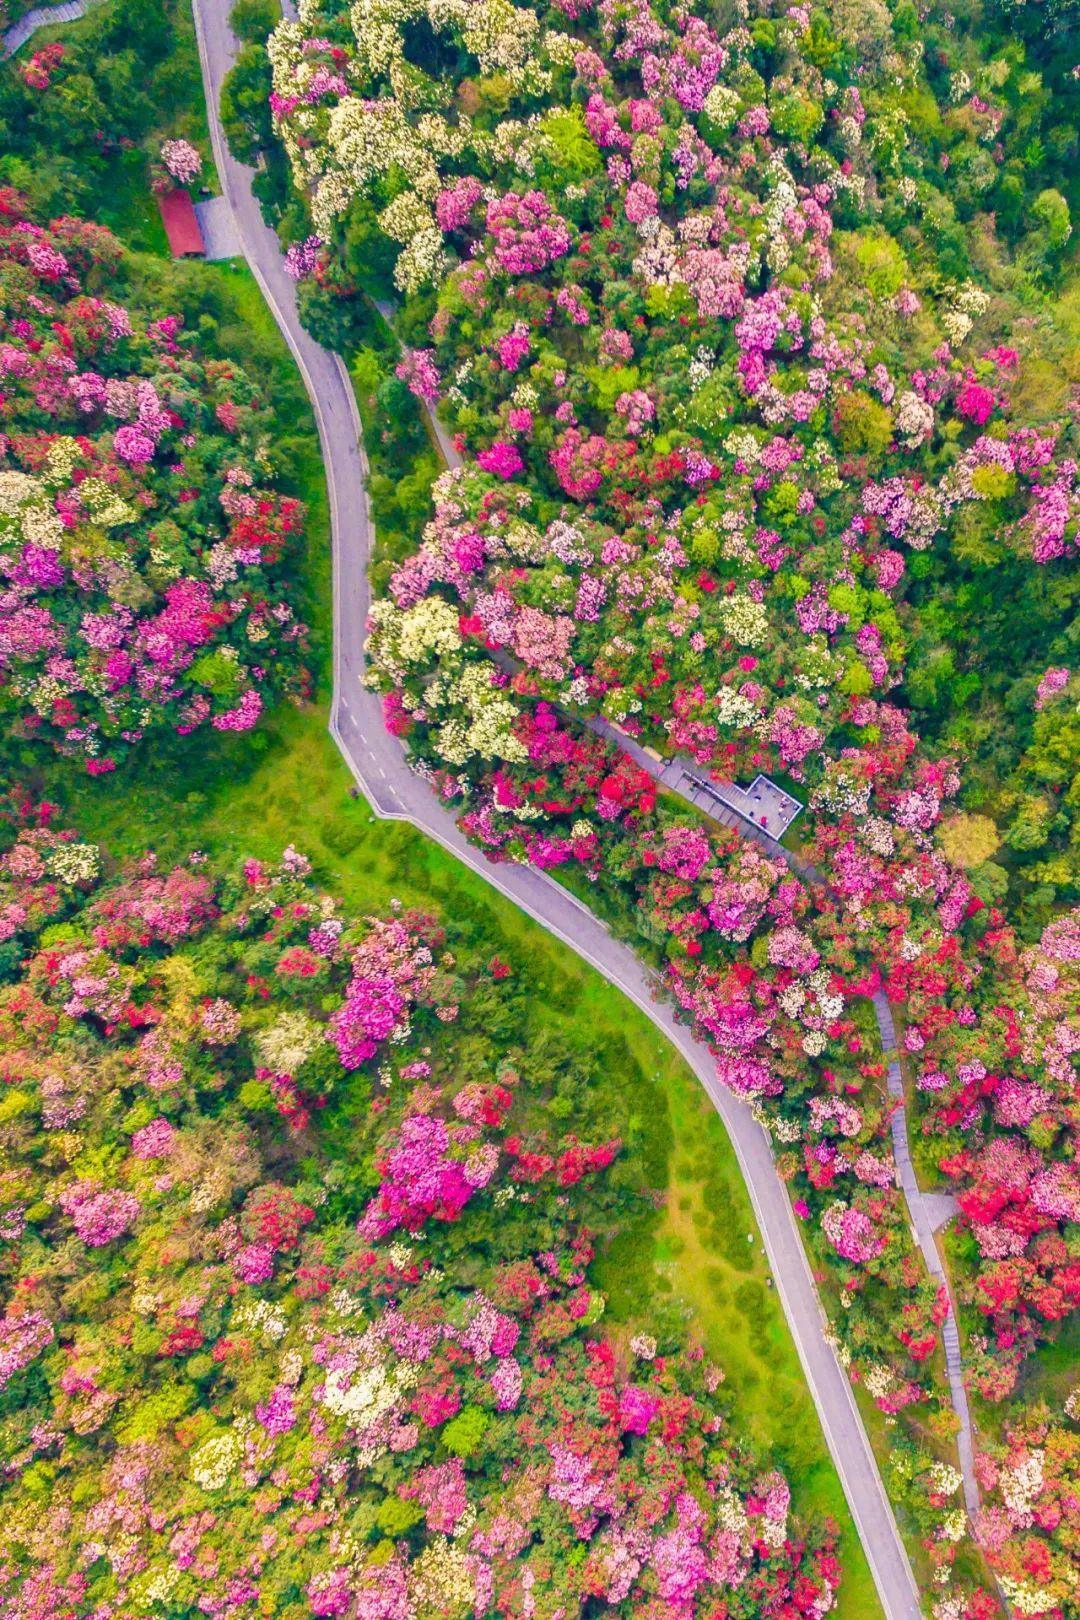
pixel 28 24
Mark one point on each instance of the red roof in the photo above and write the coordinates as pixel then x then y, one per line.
pixel 180 222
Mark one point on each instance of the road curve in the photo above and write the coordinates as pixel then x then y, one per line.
pixel 927 1211
pixel 379 766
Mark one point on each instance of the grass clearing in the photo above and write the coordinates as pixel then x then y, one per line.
pixel 691 1260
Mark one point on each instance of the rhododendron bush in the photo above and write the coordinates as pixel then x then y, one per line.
pixel 298 1311
pixel 141 546
pixel 726 477
pixel 773 968
pixel 1029 1527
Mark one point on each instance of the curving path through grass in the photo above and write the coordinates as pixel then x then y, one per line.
pixel 379 766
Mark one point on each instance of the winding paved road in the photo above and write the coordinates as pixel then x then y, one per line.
pixel 378 764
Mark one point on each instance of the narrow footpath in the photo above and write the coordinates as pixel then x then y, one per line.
pixel 927 1211
pixel 380 768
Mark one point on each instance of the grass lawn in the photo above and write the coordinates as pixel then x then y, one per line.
pixel 127 205
pixel 693 1259
pixel 1050 1375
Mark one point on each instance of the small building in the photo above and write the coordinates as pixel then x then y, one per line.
pixel 181 224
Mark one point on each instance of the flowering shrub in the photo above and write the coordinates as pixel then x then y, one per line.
pixel 774 426
pixel 329 1342
pixel 1030 1523
pixel 37 71
pixel 182 160
pixel 141 551
pixel 753 460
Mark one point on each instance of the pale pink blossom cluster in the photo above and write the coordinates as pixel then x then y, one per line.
pixel 99 1215
pixel 182 160
pixel 22 1337
pixel 851 1233
pixel 417 369
pixel 1053 682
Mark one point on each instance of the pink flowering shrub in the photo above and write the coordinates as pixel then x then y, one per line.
pixel 756 471
pixel 154 1141
pixel 99 1216
pixel 527 233
pixel 392 971
pixel 22 1337
pixel 182 160
pixel 1028 1524
pixel 417 369
pixel 140 555
pixel 851 1233
pixel 302 258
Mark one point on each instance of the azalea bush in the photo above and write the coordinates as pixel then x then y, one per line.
pixel 766 464
pixel 782 441
pixel 1029 1526
pixel 143 547
pixel 298 1309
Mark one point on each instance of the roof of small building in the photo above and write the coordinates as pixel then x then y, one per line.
pixel 180 222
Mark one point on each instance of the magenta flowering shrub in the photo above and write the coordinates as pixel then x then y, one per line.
pixel 392 971
pixel 433 1170
pixel 418 371
pixel 141 555
pixel 302 1316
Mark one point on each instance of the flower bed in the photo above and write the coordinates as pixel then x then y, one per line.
pixel 733 403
